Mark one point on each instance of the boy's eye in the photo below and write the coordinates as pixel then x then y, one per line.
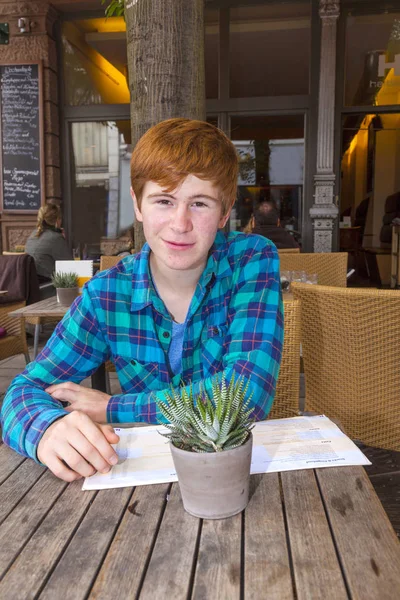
pixel 164 201
pixel 199 203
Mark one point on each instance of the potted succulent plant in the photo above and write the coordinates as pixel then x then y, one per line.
pixel 211 445
pixel 67 287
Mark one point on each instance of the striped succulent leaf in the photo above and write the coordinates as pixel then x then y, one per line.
pixel 208 422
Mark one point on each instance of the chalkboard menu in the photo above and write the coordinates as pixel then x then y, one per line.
pixel 21 137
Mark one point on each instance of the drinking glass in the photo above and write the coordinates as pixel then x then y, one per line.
pixel 312 278
pixel 285 281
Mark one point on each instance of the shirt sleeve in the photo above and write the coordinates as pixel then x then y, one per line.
pixel 254 343
pixel 74 352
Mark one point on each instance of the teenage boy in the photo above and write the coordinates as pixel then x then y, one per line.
pixel 194 305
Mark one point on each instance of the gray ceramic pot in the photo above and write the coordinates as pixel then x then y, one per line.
pixel 66 296
pixel 214 485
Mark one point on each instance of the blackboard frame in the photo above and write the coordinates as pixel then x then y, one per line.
pixel 39 64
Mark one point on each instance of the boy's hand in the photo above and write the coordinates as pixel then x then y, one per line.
pixel 91 402
pixel 75 447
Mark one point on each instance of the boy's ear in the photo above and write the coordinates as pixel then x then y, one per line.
pixel 138 214
pixel 223 220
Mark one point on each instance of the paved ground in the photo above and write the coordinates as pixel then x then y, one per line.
pixel 384 473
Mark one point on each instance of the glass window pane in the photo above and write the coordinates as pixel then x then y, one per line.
pixel 211 52
pixel 270 50
pixel 102 209
pixel 95 61
pixel 271 153
pixel 370 190
pixel 372 60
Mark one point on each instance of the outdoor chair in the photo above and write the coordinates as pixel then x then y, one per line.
pixel 350 345
pixel 286 403
pixel 14 342
pixel 330 267
pixel 288 250
pixel 106 262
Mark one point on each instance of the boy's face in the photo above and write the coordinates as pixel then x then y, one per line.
pixel 180 226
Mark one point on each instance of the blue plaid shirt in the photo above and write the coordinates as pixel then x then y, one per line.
pixel 234 323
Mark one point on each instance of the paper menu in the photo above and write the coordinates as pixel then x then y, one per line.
pixel 83 268
pixel 278 445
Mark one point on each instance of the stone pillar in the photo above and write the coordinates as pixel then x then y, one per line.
pixel 324 211
pixel 38 44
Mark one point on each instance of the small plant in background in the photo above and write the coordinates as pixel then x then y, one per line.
pixel 205 423
pixel 65 280
pixel 114 8
pixel 19 249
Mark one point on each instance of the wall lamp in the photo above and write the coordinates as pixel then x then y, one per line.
pixel 25 25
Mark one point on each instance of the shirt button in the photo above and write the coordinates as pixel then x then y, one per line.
pixel 133 362
pixel 166 334
pixel 215 330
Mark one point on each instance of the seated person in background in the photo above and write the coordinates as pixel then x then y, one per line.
pixel 266 222
pixel 47 243
pixel 195 305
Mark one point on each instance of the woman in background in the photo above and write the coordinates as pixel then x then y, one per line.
pixel 46 244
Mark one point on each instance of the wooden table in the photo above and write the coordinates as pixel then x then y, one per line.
pixel 305 534
pixel 2 292
pixel 53 309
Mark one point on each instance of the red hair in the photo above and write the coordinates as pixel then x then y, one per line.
pixel 171 150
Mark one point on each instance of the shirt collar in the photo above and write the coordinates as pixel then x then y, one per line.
pixel 143 291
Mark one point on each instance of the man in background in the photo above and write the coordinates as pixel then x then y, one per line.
pixel 266 222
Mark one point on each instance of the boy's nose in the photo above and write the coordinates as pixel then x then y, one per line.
pixel 181 220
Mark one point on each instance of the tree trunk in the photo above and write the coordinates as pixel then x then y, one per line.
pixel 165 46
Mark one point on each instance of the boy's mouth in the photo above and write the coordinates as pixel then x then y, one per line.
pixel 178 245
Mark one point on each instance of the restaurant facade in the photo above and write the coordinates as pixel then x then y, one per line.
pixel 308 91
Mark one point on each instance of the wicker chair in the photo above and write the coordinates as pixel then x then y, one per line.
pixel 331 268
pixel 106 262
pixel 15 340
pixel 350 340
pixel 286 403
pixel 288 250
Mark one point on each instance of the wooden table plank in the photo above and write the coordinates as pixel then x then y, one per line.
pixel 266 555
pixel 122 570
pixel 30 570
pixel 171 564
pixel 9 461
pixel 316 568
pixel 364 536
pixel 26 517
pixel 85 553
pixel 17 485
pixel 44 308
pixel 218 569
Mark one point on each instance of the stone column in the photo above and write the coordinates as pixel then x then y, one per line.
pixel 324 211
pixel 37 44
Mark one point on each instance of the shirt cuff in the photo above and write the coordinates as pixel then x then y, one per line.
pixel 133 408
pixel 37 428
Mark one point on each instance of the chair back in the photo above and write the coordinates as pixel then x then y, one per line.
pixel 331 267
pixel 350 342
pixel 288 250
pixel 18 276
pixel 15 340
pixel 106 262
pixel 286 403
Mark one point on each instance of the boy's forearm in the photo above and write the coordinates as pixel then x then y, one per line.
pixel 131 408
pixel 26 414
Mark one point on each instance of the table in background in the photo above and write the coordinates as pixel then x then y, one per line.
pixel 305 534
pixel 2 292
pixel 50 308
pixel 395 267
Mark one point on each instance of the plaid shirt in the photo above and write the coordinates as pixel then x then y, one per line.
pixel 234 323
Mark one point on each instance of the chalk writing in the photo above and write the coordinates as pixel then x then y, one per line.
pixel 20 144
